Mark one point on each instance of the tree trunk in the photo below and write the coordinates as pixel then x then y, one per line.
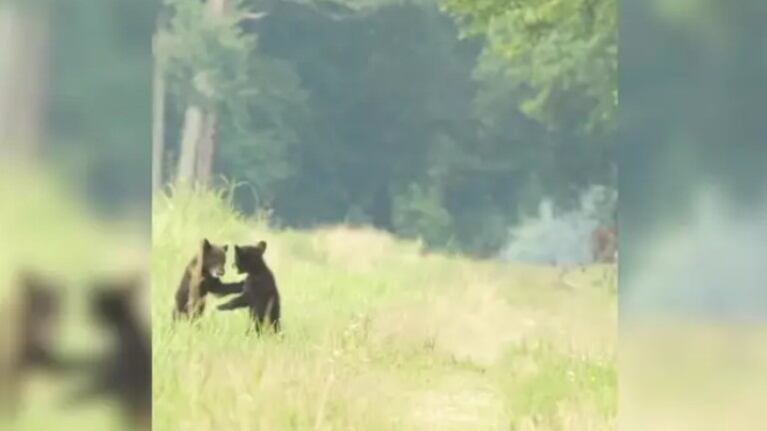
pixel 190 137
pixel 206 147
pixel 158 117
pixel 207 144
pixel 23 77
pixel 198 138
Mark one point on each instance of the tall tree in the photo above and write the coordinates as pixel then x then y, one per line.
pixel 559 55
pixel 205 53
pixel 196 158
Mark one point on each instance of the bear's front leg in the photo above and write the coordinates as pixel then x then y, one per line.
pixel 238 302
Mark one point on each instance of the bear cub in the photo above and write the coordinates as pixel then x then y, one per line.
pixel 125 372
pixel 259 290
pixel 201 277
pixel 31 334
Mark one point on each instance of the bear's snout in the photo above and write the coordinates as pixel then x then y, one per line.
pixel 218 271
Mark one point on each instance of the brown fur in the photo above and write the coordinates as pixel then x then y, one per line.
pixel 200 278
pixel 195 303
pixel 29 343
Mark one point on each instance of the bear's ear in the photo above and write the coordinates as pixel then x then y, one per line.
pixel 226 247
pixel 206 244
pixel 261 247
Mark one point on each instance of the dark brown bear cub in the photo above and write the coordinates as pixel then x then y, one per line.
pixel 125 372
pixel 200 278
pixel 259 290
pixel 32 334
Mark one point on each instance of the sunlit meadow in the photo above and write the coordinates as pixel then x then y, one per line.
pixel 378 335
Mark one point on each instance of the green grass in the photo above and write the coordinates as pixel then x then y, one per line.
pixel 378 336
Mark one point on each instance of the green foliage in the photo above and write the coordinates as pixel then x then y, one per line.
pixel 418 213
pixel 206 57
pixel 261 133
pixel 559 56
pixel 330 111
pixel 335 114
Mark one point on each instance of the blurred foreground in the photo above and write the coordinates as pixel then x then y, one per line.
pixel 693 215
pixel 75 334
pixel 74 109
pixel 694 323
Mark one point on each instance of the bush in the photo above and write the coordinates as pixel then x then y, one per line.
pixel 561 237
pixel 418 214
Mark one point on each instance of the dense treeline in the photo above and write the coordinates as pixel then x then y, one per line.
pixel 427 119
pixel 379 114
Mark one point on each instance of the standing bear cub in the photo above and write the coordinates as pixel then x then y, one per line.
pixel 200 278
pixel 259 290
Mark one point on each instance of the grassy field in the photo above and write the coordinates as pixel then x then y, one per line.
pixel 378 336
